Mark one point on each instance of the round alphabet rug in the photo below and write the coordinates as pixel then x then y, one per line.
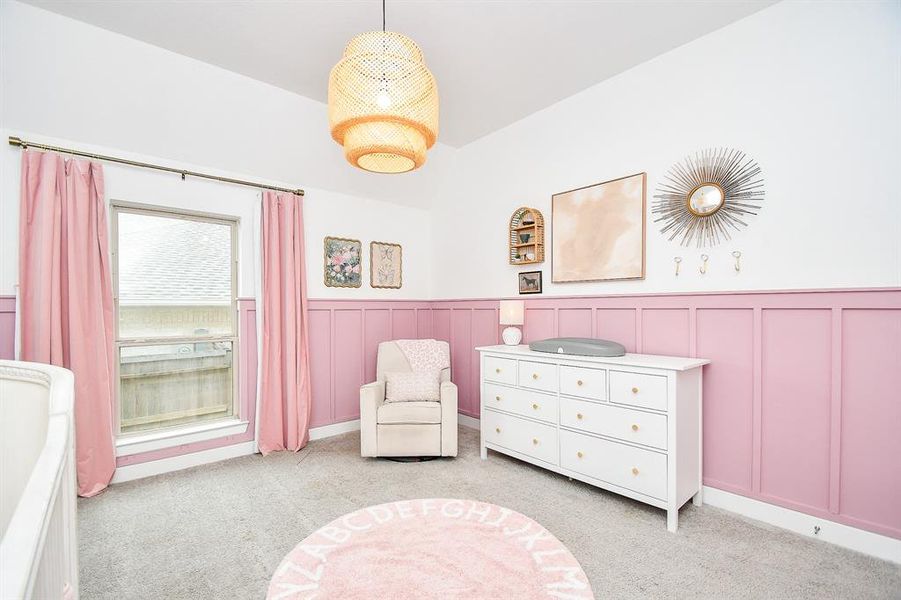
pixel 430 548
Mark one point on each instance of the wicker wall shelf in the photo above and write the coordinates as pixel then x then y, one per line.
pixel 526 237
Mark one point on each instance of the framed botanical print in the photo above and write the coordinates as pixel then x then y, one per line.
pixel 530 282
pixel 385 265
pixel 342 262
pixel 598 231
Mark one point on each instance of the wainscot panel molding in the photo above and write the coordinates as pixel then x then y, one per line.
pixel 7 327
pixel 344 340
pixel 800 399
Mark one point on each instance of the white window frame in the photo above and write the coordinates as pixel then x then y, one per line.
pixel 152 439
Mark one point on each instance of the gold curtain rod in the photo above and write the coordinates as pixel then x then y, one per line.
pixel 24 144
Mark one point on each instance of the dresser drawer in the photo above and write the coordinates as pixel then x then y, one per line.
pixel 502 370
pixel 526 437
pixel 648 391
pixel 643 471
pixel 539 376
pixel 622 423
pixel 522 402
pixel 583 382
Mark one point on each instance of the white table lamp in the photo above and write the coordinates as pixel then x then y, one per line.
pixel 512 313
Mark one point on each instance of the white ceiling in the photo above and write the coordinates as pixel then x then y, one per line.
pixel 495 61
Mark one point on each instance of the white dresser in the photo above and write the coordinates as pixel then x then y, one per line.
pixel 631 425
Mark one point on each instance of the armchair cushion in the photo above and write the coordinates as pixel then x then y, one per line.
pixel 409 412
pixel 412 387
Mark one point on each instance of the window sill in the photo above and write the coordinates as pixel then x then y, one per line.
pixel 140 443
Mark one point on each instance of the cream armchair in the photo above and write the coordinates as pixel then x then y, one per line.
pixel 406 428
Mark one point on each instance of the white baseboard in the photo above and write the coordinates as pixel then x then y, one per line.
pixel 467 421
pixel 867 542
pixel 185 461
pixel 318 433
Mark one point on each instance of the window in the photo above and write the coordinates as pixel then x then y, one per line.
pixel 175 278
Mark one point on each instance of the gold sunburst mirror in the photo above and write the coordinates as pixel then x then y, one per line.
pixel 707 195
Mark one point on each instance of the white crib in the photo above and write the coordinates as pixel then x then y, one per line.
pixel 38 551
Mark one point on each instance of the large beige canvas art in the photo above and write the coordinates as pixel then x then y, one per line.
pixel 598 231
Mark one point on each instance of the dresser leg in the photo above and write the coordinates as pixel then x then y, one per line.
pixel 698 499
pixel 672 519
pixel 484 453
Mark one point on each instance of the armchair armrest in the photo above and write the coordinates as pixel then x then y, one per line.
pixel 448 419
pixel 372 396
pixel 448 394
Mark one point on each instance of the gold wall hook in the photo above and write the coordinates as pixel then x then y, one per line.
pixel 737 255
pixel 704 259
pixel 678 261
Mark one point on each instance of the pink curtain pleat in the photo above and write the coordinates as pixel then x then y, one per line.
pixel 66 297
pixel 285 392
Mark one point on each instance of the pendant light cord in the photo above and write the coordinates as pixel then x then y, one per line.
pixel 383 15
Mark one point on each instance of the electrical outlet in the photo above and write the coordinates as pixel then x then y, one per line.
pixel 816 529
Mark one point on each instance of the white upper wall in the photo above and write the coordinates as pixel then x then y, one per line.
pixel 812 91
pixel 72 84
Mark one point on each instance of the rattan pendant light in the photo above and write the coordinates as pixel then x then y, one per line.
pixel 383 102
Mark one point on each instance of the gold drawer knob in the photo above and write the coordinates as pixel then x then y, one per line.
pixel 635 390
pixel 534 375
pixel 498 370
pixel 634 427
pixel 535 441
pixel 497 429
pixel 579 454
pixel 634 470
pixel 579 383
pixel 534 407
pixel 579 416
pixel 498 398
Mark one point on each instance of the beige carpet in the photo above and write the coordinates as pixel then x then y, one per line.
pixel 218 531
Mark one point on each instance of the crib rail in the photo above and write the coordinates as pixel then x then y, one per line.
pixel 38 552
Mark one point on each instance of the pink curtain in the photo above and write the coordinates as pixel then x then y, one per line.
pixel 285 364
pixel 66 297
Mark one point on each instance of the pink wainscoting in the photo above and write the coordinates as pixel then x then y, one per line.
pixel 7 327
pixel 801 401
pixel 869 361
pixel 734 371
pixel 344 337
pixel 466 325
pixel 795 406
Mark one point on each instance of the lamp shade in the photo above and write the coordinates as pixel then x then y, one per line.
pixel 383 103
pixel 512 312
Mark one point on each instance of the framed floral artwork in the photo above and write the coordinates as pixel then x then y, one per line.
pixel 385 265
pixel 342 262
